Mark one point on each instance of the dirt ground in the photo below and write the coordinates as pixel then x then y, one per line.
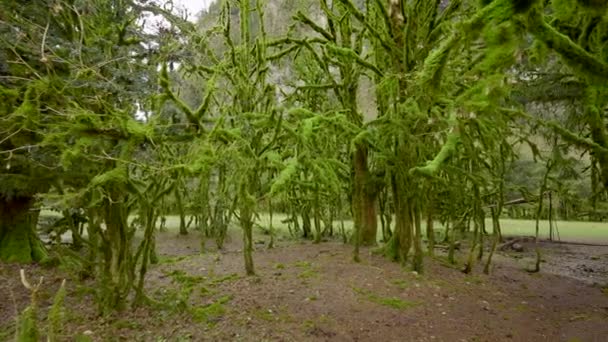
pixel 307 292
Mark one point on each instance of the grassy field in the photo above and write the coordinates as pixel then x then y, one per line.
pixel 568 231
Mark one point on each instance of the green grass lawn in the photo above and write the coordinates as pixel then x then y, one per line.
pixel 569 231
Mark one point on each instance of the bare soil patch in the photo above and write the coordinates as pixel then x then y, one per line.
pixel 308 292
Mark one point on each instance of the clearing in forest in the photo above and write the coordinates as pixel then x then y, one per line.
pixel 314 292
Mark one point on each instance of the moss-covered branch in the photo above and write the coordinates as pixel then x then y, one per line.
pixel 347 53
pixel 447 150
pixel 301 17
pixel 386 44
pixel 573 54
pixel 574 138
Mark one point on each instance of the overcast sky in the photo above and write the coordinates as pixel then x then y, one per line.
pixel 194 6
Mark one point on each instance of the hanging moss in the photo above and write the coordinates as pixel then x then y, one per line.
pixel 522 6
pixel 596 5
pixel 447 150
pixel 116 176
pixel 575 56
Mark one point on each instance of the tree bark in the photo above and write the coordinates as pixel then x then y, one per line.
pixel 418 254
pixel 364 199
pixel 183 230
pixel 399 246
pixel 18 239
pixel 430 229
pixel 117 276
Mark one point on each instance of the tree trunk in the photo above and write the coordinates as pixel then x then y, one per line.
pixel 270 224
pixel 247 203
pixel 18 239
pixel 430 229
pixel 183 230
pixel 117 276
pixel 496 231
pixel 247 225
pixel 386 215
pixel 595 102
pixel 317 216
pixel 306 224
pixel 451 234
pixel 147 246
pixel 365 199
pixel 399 246
pixel 418 254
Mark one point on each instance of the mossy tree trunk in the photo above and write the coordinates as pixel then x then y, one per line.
pixel 18 239
pixel 399 245
pixel 183 229
pixel 594 107
pixel 495 212
pixel 418 253
pixel 306 222
pixel 246 212
pixel 93 233
pixel 430 226
pixel 317 214
pixel 116 272
pixel 364 199
pixel 345 40
pixel 386 215
pixel 478 218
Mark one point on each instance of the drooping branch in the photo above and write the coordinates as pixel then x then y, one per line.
pixel 447 150
pixel 574 138
pixel 573 54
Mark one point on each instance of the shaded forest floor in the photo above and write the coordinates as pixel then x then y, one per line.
pixel 307 292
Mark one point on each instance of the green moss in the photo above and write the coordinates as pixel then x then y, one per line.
pixel 595 5
pixel 392 302
pixel 573 54
pixel 82 338
pixel 172 260
pixel 227 278
pixel 285 176
pixel 211 313
pixel 305 264
pixel 264 315
pixel 475 279
pixel 400 283
pixel 307 274
pixel 116 176
pixel 447 150
pixel 522 6
pixel 19 244
pixel 205 291
pixel 185 279
pixel 126 324
pixel 179 299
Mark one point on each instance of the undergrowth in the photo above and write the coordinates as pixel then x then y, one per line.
pixel 208 314
pixel 392 302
